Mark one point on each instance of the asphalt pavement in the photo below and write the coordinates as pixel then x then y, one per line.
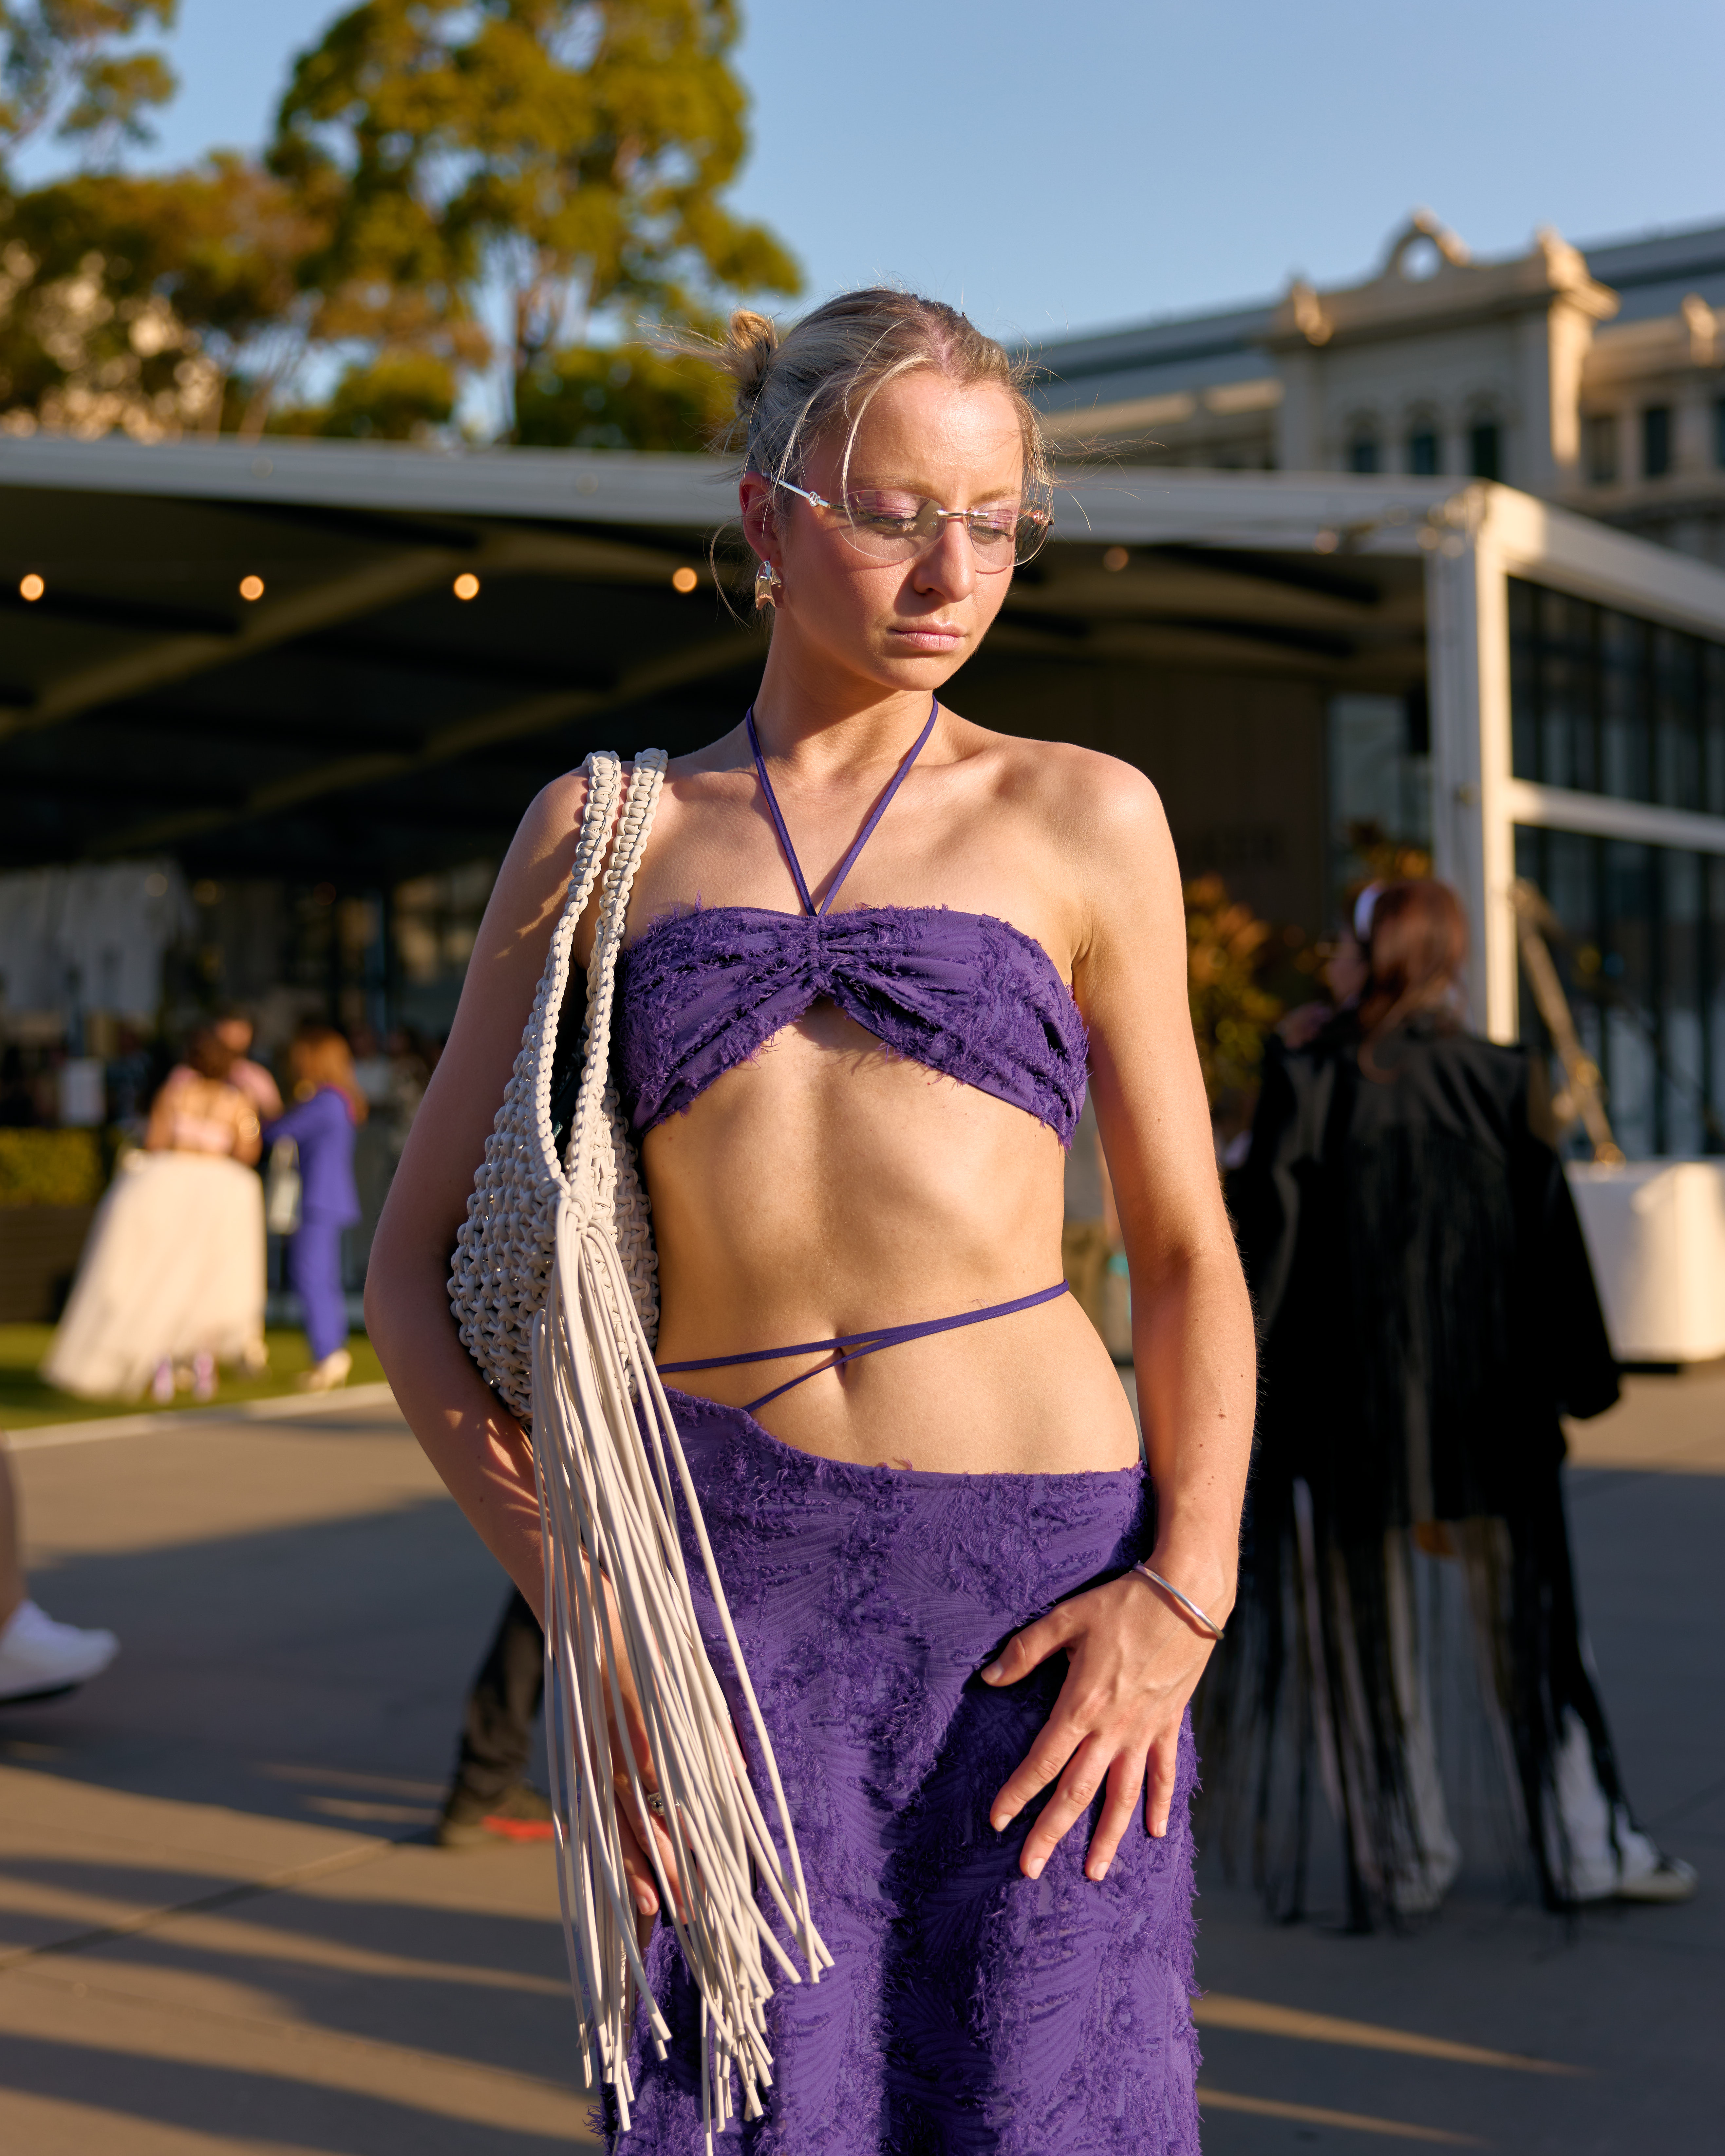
pixel 223 1928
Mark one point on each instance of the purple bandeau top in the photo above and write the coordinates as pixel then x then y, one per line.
pixel 963 994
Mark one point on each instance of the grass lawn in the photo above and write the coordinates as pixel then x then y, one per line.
pixel 25 1400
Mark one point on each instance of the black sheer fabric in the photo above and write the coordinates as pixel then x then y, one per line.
pixel 1426 1312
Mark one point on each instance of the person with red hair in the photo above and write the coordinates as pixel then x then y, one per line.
pixel 1427 1313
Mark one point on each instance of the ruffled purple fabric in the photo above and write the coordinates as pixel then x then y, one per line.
pixel 971 2010
pixel 963 994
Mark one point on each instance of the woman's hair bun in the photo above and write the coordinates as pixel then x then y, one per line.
pixel 748 353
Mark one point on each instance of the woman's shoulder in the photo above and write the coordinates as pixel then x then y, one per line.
pixel 550 831
pixel 1085 780
pixel 1102 811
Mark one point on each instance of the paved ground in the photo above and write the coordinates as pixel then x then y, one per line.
pixel 221 1929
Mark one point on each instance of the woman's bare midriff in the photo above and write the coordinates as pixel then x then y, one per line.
pixel 828 1186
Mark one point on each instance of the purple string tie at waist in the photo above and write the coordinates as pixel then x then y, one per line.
pixel 848 1347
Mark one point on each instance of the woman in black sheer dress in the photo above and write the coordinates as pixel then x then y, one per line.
pixel 1428 1312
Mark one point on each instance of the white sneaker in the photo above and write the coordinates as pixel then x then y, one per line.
pixel 324 1376
pixel 39 1658
pixel 1671 1880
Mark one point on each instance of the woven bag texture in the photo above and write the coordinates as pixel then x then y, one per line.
pixel 501 1270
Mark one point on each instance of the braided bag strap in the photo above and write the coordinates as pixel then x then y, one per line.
pixel 501 1265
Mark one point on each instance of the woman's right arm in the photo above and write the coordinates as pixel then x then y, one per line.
pixel 471 1439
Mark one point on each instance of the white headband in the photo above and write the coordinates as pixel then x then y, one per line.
pixel 1364 906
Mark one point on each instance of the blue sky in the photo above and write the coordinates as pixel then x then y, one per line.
pixel 1059 169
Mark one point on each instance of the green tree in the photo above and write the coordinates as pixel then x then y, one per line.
pixel 621 397
pixel 562 157
pixel 154 304
pixel 60 75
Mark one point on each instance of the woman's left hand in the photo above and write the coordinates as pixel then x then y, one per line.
pixel 1131 1665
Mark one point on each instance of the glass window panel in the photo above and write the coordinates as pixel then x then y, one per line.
pixel 1600 431
pixel 1567 699
pixel 1564 867
pixel 1626 994
pixel 1624 728
pixel 1606 703
pixel 1531 868
pixel 1713 1000
pixel 1677 732
pixel 1713 728
pixel 1656 441
pixel 1422 452
pixel 1683 1075
pixel 1484 450
pixel 1362 453
pixel 1380 781
pixel 1641 959
pixel 1525 600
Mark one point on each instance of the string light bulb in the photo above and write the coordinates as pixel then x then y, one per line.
pixel 684 580
pixel 467 585
pixel 251 588
pixel 31 587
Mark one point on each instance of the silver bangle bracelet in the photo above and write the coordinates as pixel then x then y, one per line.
pixel 1185 1601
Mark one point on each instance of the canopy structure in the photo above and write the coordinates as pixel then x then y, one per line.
pixel 357 723
pixel 360 716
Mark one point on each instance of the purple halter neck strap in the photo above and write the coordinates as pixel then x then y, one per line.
pixel 863 836
pixel 848 1347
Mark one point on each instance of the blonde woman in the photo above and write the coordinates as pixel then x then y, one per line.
pixel 874 955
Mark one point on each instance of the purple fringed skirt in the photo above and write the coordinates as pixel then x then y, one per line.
pixel 971 2009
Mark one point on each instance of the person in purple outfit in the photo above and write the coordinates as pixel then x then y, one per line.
pixel 874 956
pixel 328 1107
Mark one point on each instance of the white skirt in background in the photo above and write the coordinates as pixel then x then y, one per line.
pixel 174 1268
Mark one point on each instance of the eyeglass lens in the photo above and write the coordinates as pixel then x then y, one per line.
pixel 894 526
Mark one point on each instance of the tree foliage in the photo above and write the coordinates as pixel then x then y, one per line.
pixel 1227 947
pixel 60 75
pixel 439 167
pixel 563 158
pixel 149 305
pixel 623 397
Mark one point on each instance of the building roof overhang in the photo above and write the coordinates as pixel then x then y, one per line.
pixel 359 723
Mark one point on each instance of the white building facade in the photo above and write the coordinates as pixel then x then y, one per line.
pixel 1569 726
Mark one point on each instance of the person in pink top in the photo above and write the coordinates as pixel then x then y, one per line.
pixel 236 1031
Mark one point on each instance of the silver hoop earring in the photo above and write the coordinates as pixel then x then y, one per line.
pixel 768 584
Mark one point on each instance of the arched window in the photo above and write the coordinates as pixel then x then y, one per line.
pixel 1485 447
pixel 1423 445
pixel 1598 437
pixel 1363 451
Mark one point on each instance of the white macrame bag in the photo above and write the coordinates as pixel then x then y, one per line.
pixel 554 1286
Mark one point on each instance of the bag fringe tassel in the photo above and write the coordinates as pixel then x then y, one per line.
pixel 605 1450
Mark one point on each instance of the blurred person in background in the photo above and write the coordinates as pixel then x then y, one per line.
pixel 170 1280
pixel 1345 972
pixel 39 1658
pixel 327 1110
pixel 236 1030
pixel 489 1795
pixel 20 1109
pixel 1428 1312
